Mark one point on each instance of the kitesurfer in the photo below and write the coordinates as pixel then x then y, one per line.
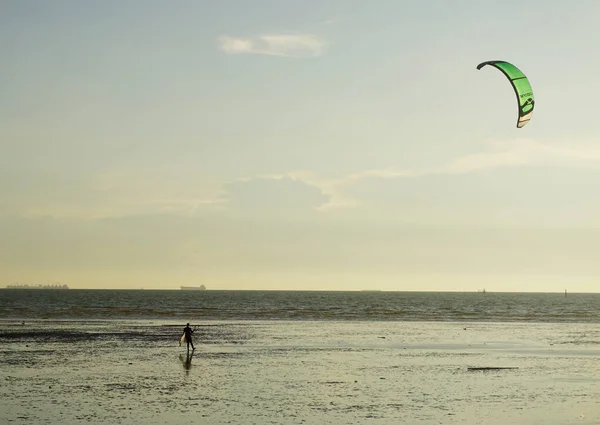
pixel 188 335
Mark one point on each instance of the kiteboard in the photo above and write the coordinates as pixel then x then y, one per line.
pixel 181 339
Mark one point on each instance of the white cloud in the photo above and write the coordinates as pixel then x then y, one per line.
pixel 177 191
pixel 286 194
pixel 523 152
pixel 503 154
pixel 515 153
pixel 286 45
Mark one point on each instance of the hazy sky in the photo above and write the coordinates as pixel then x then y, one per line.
pixel 299 145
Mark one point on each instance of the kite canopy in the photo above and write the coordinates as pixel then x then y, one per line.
pixel 522 88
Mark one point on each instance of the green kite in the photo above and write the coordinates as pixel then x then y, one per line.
pixel 521 86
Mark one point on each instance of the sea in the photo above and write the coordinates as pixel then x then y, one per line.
pixel 298 357
pixel 298 305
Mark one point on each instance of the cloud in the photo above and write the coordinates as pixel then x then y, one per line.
pixel 176 190
pixel 282 196
pixel 286 45
pixel 520 152
pixel 501 154
pixel 523 152
pixel 522 196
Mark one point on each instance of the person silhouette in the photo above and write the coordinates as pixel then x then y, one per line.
pixel 188 335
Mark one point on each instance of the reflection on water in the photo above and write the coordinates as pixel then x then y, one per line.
pixel 186 360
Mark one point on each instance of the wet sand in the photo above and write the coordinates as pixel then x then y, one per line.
pixel 299 373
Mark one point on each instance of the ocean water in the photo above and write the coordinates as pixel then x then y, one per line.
pixel 298 305
pixel 106 357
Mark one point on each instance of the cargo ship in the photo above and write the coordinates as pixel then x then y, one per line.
pixel 193 288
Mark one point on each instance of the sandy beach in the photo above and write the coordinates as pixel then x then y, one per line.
pixel 300 373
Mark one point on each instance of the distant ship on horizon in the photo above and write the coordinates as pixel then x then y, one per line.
pixel 51 286
pixel 193 288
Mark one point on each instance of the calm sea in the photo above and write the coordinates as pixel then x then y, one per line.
pixel 297 305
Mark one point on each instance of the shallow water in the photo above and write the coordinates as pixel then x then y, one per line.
pixel 133 372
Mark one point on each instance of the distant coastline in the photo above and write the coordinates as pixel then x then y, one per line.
pixel 50 286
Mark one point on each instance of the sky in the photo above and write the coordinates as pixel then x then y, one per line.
pixel 314 145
